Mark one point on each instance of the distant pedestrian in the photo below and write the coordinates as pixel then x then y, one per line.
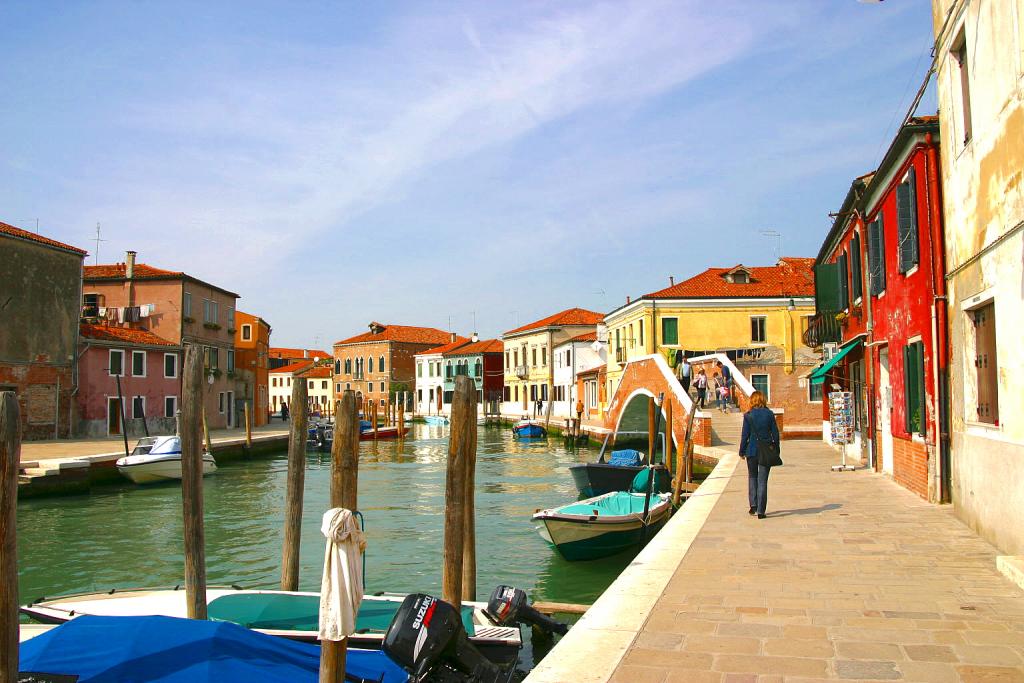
pixel 722 394
pixel 701 384
pixel 579 410
pixel 727 376
pixel 284 412
pixel 683 372
pixel 758 425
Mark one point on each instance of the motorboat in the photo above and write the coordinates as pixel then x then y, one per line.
pixel 529 429
pixel 288 614
pixel 320 437
pixel 158 458
pixel 616 474
pixel 383 432
pixel 436 420
pixel 604 525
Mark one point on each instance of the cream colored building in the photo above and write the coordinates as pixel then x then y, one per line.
pixel 980 77
pixel 529 358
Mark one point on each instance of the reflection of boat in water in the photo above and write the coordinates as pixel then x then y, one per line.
pixel 288 614
pixel 436 420
pixel 528 429
pixel 158 458
pixel 604 525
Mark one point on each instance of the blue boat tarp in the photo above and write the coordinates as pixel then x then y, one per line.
pixel 108 649
pixel 626 458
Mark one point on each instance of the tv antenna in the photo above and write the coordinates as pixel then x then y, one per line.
pixel 97 240
pixel 778 241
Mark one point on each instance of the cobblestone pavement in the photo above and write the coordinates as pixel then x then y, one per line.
pixel 849 577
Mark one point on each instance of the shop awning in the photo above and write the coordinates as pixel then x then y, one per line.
pixel 818 376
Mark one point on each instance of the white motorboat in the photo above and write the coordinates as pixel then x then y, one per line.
pixel 158 458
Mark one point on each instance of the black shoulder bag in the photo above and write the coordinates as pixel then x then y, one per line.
pixel 767 451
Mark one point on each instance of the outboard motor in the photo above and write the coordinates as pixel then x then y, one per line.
pixel 509 605
pixel 426 637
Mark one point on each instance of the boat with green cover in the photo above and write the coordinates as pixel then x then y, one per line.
pixel 288 614
pixel 604 525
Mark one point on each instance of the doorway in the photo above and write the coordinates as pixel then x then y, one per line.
pixel 113 416
pixel 885 409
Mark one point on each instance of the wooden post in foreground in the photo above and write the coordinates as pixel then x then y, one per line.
pixel 344 494
pixel 10 460
pixel 460 440
pixel 668 436
pixel 651 435
pixel 248 428
pixel 192 421
pixel 469 530
pixel 682 458
pixel 296 482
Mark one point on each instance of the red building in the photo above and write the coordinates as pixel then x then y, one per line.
pixel 880 292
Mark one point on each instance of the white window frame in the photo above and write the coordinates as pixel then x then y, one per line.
pixel 246 332
pixel 769 383
pixel 143 399
pixel 143 354
pixel 175 403
pixel 809 386
pixel 230 360
pixel 764 341
pixel 186 307
pixel 369 387
pixel 110 364
pixel 173 375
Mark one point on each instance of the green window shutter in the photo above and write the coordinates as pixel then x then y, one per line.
pixel 844 289
pixel 920 389
pixel 876 256
pixel 855 266
pixel 669 330
pixel 906 212
pixel 826 288
pixel 908 383
pixel 913 387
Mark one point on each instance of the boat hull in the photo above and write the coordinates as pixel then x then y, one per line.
pixel 436 420
pixel 586 530
pixel 164 469
pixel 383 433
pixel 531 431
pixel 597 478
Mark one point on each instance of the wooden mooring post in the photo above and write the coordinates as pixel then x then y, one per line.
pixel 344 494
pixel 651 431
pixel 469 529
pixel 668 436
pixel 206 428
pixel 401 421
pixel 10 460
pixel 192 422
pixel 460 439
pixel 248 428
pixel 373 419
pixel 296 482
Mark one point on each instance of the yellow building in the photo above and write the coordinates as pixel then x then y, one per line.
pixel 755 315
pixel 529 369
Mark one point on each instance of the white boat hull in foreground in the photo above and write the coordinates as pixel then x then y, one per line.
pixel 157 459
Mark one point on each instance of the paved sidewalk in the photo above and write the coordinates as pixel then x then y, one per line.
pixel 34 451
pixel 849 577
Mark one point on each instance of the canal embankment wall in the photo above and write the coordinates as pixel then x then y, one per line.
pixel 595 646
pixel 78 472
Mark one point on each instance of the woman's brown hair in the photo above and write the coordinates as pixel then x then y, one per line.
pixel 757 400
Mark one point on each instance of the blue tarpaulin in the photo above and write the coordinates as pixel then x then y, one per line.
pixel 109 649
pixel 626 458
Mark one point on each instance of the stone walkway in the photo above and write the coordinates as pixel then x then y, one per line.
pixel 849 577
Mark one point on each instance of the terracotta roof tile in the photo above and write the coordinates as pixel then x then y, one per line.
pixel 296 354
pixel 445 348
pixel 593 371
pixel 791 276
pixel 117 271
pixel 570 316
pixel 291 368
pixel 35 237
pixel 400 333
pixel 122 335
pixel 318 372
pixel 585 337
pixel 479 347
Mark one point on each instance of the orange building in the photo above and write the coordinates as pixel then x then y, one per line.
pixel 252 361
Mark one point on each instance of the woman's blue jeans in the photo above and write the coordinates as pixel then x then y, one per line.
pixel 757 484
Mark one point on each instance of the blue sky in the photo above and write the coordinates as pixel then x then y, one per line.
pixel 337 163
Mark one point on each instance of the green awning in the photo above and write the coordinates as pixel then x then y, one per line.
pixel 818 376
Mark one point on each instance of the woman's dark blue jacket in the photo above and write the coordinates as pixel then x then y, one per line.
pixel 761 420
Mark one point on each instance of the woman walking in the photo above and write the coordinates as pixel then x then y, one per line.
pixel 758 425
pixel 701 384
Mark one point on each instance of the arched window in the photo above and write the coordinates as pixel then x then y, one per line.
pixel 381 363
pixel 370 358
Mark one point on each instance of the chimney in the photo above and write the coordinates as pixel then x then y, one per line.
pixel 453 337
pixel 671 280
pixel 627 299
pixel 475 338
pixel 129 264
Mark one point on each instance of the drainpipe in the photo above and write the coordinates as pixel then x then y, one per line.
pixel 866 298
pixel 940 328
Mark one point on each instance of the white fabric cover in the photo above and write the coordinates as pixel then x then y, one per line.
pixel 341 590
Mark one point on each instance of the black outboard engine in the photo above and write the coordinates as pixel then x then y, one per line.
pixel 427 639
pixel 509 605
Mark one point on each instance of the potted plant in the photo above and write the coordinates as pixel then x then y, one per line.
pixel 211 326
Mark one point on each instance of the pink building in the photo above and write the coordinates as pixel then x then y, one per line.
pixel 149 368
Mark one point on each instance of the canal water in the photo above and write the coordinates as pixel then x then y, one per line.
pixel 125 535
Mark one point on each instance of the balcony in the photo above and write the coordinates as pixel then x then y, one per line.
pixel 823 328
pixel 522 371
pixel 620 356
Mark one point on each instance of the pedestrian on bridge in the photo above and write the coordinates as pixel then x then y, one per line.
pixel 683 371
pixel 701 384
